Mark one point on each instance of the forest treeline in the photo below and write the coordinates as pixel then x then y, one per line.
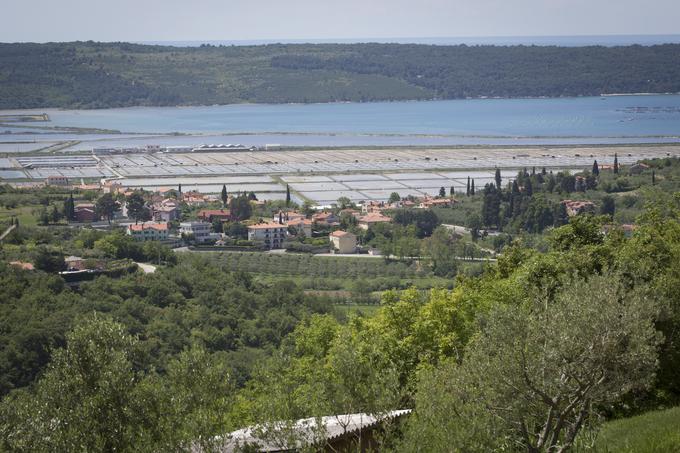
pixel 100 75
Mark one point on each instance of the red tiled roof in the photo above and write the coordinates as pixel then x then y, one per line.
pixel 149 226
pixel 340 233
pixel 262 226
pixel 214 212
pixel 374 217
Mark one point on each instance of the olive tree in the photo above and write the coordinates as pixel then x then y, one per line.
pixel 537 373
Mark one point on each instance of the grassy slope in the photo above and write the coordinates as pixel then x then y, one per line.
pixel 653 432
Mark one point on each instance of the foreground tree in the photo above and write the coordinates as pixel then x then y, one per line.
pixel 92 398
pixel 240 207
pixel 107 206
pixel 538 373
pixel 136 207
pixel 84 401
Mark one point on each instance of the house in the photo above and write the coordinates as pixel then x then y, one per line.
pixel 200 231
pixel 638 168
pixel 74 263
pixel 149 231
pixel 85 213
pixel 325 218
pixel 343 242
pixel 350 212
pixel 373 206
pixel 166 211
pixel 272 234
pixel 209 215
pixel 368 220
pixel 304 225
pixel 428 202
pixel 578 207
pixel 288 216
pixel 193 198
pixel 56 181
pixel 111 187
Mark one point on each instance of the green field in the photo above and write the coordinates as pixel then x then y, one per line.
pixel 23 213
pixel 333 273
pixel 653 432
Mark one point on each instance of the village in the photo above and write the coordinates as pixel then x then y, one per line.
pixel 239 221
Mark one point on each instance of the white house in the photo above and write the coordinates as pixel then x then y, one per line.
pixel 272 234
pixel 200 231
pixel 148 231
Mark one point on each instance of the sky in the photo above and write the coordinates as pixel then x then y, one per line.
pixel 229 20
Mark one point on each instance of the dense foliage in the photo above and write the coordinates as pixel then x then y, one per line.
pixel 195 302
pixel 98 75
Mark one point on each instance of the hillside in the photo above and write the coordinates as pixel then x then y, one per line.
pixel 100 75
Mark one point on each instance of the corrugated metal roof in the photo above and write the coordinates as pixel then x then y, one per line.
pixel 287 436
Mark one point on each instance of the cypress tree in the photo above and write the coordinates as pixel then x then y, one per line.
pixel 497 177
pixel 528 188
pixel 452 192
pixel 179 189
pixel 653 178
pixel 616 164
pixel 472 188
pixel 287 195
pixel 70 208
pixel 596 168
pixel 224 195
pixel 442 192
pixel 467 191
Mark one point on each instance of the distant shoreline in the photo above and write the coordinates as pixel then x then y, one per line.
pixel 46 110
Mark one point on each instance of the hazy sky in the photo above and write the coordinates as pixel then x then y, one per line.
pixel 182 20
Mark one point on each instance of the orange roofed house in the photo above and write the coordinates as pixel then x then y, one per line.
pixel 149 231
pixel 371 219
pixel 326 218
pixel 272 234
pixel 578 207
pixel 208 215
pixel 343 241
pixel 85 212
pixel 429 202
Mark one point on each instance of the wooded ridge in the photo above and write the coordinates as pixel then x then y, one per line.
pixel 101 75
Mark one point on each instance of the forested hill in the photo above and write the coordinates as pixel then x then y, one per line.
pixel 99 75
